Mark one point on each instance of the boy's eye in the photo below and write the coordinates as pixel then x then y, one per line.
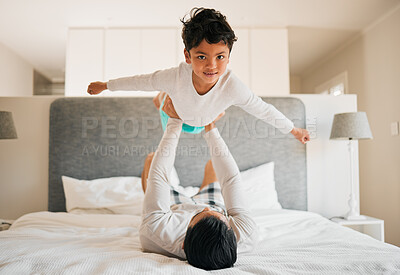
pixel 201 57
pixel 221 57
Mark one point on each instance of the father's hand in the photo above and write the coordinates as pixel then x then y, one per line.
pixel 212 124
pixel 169 108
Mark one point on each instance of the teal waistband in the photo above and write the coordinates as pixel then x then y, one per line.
pixel 185 128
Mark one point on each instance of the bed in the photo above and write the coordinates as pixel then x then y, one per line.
pixel 94 139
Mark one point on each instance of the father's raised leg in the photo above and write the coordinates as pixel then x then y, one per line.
pixel 209 175
pixel 146 169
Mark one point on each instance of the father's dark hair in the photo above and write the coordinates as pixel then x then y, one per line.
pixel 210 244
pixel 207 24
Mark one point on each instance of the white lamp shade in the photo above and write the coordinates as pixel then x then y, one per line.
pixel 351 126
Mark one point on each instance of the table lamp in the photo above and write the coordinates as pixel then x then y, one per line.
pixel 7 128
pixel 351 126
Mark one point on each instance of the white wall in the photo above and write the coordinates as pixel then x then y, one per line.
pixel 24 161
pixel 373 65
pixel 260 57
pixel 16 75
pixel 269 62
pixel 328 161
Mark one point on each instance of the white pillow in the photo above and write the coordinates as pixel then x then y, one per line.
pixel 174 179
pixel 117 195
pixel 259 188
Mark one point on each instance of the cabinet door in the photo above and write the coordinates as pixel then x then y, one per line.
pixel 122 53
pixel 158 49
pixel 239 59
pixel 84 62
pixel 269 59
pixel 180 46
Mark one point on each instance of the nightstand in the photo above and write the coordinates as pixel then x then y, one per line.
pixel 5 224
pixel 370 226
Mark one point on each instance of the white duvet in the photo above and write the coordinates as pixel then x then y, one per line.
pixel 291 242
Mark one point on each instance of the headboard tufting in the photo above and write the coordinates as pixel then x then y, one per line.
pixel 106 137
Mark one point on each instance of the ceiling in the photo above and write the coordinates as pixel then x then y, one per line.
pixel 37 30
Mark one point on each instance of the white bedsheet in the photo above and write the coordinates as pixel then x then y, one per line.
pixel 291 242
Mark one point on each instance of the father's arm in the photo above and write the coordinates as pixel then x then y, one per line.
pixel 228 175
pixel 225 167
pixel 157 196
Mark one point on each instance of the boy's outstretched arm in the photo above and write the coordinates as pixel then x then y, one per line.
pixel 255 106
pixel 161 80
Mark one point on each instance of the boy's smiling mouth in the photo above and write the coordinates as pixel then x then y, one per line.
pixel 209 74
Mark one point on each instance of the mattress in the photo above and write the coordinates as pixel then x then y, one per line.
pixel 291 242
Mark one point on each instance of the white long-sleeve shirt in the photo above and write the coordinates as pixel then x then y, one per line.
pixel 163 227
pixel 200 110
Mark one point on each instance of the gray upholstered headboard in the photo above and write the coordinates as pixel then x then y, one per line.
pixel 105 137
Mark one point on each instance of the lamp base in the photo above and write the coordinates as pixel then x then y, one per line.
pixel 355 217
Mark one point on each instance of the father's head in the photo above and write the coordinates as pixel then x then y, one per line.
pixel 210 242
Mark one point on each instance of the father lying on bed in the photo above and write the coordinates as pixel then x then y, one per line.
pixel 207 229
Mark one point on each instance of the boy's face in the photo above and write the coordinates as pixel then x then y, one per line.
pixel 208 61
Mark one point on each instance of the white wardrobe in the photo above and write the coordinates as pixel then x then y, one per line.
pixel 260 57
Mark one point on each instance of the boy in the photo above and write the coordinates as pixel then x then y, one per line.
pixel 203 88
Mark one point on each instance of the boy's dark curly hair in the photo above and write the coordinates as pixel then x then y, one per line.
pixel 207 24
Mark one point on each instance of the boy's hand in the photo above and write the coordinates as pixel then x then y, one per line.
pixel 301 134
pixel 212 124
pixel 96 87
pixel 169 108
